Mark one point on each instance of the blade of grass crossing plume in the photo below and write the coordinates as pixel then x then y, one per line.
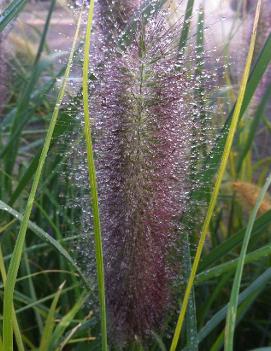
pixel 17 253
pixel 93 181
pixel 232 308
pixel 186 26
pixel 221 171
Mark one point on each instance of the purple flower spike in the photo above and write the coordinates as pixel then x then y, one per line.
pixel 144 127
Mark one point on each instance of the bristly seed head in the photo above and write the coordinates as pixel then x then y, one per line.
pixel 147 124
pixel 150 115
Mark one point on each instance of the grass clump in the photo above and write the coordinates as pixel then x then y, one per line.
pixel 146 147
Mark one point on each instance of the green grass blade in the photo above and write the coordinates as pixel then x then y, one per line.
pixel 191 318
pixel 37 99
pixel 29 303
pixel 37 304
pixel 21 117
pixel 13 9
pixel 216 293
pixel 50 322
pixel 186 25
pixel 44 33
pixel 32 290
pixel 44 272
pixel 159 342
pixel 258 285
pixel 232 264
pixel 257 73
pixel 232 308
pixel 17 332
pixel 255 77
pixel 242 310
pixel 93 182
pixel 37 247
pixel 27 176
pixel 46 237
pixel 260 225
pixel 60 128
pixel 17 253
pixel 253 128
pixel 218 182
pixel 65 322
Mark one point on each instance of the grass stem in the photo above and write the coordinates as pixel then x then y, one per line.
pixel 93 181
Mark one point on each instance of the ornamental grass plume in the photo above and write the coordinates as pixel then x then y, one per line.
pixel 147 125
pixel 142 139
pixel 147 103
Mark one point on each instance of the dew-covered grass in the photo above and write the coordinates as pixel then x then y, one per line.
pixel 134 177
